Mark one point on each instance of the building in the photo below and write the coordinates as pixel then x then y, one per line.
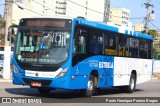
pixel 86 8
pixel 120 17
pixel 138 27
pixel 70 8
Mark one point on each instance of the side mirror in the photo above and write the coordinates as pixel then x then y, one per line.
pixel 12 33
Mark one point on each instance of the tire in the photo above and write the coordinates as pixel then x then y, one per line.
pixel 91 88
pixel 132 84
pixel 43 91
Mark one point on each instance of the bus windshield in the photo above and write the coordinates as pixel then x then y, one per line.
pixel 41 44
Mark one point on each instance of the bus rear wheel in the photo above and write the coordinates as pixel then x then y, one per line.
pixel 132 84
pixel 91 88
pixel 43 91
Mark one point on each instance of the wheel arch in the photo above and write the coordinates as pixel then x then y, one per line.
pixel 95 74
pixel 134 72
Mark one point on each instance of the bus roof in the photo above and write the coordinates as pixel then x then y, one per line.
pixel 103 26
pixel 112 28
pixel 40 17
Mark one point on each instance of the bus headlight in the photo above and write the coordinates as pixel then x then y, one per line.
pixel 62 73
pixel 15 70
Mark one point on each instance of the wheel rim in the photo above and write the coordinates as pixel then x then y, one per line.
pixel 90 85
pixel 132 84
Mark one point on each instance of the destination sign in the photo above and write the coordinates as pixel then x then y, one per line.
pixel 46 23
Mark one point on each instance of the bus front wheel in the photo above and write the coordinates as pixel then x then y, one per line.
pixel 91 88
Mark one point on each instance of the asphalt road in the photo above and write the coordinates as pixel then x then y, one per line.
pixel 146 90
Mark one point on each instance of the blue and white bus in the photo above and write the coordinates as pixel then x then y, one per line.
pixel 78 54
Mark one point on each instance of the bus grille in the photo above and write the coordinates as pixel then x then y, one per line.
pixel 43 82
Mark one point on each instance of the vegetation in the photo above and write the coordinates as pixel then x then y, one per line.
pixel 154 33
pixel 2 27
pixel 2 22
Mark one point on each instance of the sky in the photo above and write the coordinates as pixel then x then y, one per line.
pixel 1 7
pixel 136 7
pixel 138 10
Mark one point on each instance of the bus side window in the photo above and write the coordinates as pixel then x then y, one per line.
pixel 143 48
pixel 110 44
pixel 123 46
pixel 96 42
pixel 133 49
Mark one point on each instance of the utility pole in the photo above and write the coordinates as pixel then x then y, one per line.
pixel 44 7
pixel 147 15
pixel 86 9
pixel 106 11
pixel 7 47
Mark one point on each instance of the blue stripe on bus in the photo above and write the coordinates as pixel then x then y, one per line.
pixel 103 64
pixel 126 32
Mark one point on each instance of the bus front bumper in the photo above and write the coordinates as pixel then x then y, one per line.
pixel 56 83
pixel 45 82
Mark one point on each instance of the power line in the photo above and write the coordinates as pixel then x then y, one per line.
pixel 101 12
pixel 128 18
pixel 43 5
pixel 85 7
pixel 138 18
pixel 154 25
pixel 155 4
pixel 156 7
pixel 55 10
pixel 72 9
pixel 26 9
pixel 2 4
pixel 158 2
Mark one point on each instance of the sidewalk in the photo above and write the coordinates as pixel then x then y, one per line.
pixel 4 80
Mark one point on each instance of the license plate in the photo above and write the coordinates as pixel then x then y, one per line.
pixel 36 84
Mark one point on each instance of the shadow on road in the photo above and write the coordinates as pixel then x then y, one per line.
pixel 61 93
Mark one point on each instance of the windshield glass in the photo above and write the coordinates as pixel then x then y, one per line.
pixel 42 45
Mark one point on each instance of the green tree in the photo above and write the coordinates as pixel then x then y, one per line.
pixel 156 53
pixel 154 33
pixel 2 22
pixel 2 26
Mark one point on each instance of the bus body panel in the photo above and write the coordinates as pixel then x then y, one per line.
pixel 102 64
pixel 108 75
pixel 124 67
pixel 81 72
